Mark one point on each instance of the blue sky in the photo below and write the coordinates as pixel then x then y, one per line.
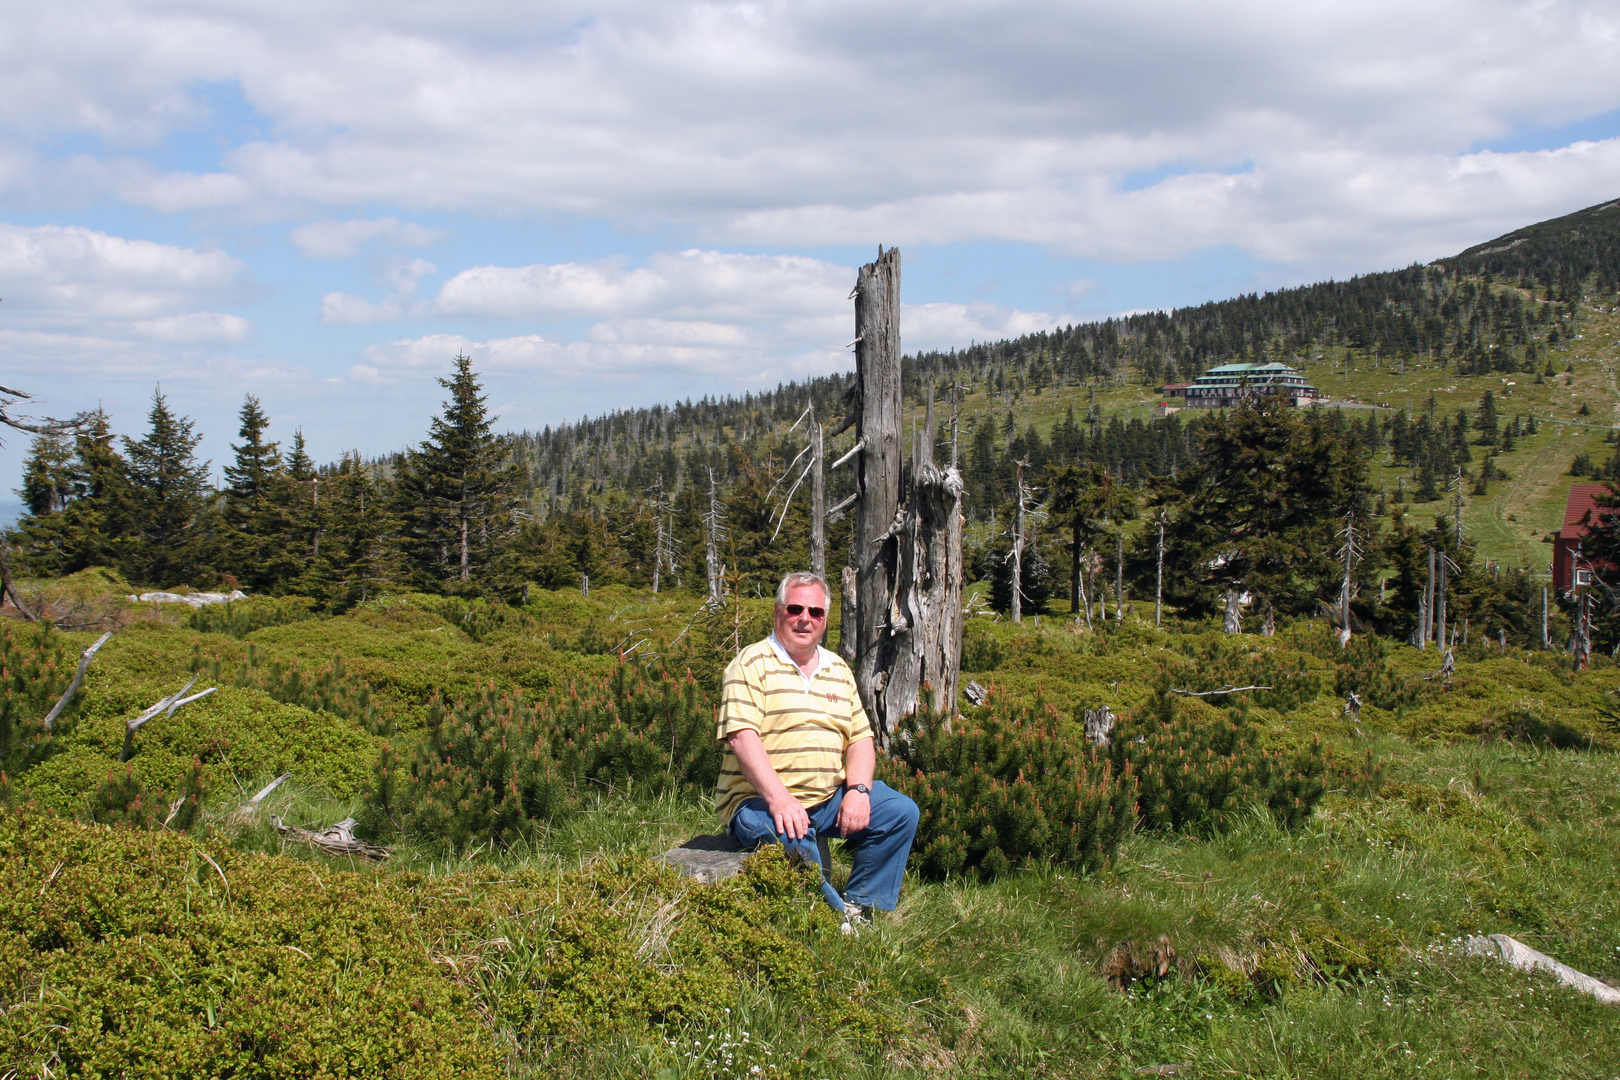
pixel 621 203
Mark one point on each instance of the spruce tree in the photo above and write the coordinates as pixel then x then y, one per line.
pixel 357 553
pixel 170 494
pixel 248 479
pixel 94 521
pixel 1486 422
pixel 258 555
pixel 48 475
pixel 456 493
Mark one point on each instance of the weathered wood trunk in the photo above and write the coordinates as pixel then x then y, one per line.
pixel 1017 555
pixel 877 473
pixel 929 648
pixel 908 556
pixel 818 501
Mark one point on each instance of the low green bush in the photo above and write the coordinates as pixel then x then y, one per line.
pixel 125 953
pixel 1196 775
pixel 1020 786
pixel 328 688
pixel 1011 789
pixel 239 618
pixel 34 670
pixel 493 768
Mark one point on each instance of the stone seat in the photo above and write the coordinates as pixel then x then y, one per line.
pixel 715 858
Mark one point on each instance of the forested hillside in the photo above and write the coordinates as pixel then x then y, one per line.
pixel 1495 333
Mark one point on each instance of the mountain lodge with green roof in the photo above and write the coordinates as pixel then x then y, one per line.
pixel 1226 386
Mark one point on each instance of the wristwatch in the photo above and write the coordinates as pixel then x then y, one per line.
pixel 862 788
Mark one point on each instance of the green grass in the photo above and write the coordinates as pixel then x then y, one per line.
pixel 1324 952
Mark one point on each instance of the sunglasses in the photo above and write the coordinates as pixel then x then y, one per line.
pixel 800 609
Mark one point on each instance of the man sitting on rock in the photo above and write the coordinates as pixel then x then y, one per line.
pixel 798 767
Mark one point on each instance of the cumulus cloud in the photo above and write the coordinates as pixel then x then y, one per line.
pixel 1021 120
pixel 80 292
pixel 344 239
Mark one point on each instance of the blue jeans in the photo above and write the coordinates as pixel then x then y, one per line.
pixel 881 849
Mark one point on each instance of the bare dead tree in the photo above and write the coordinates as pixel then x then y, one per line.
pixel 1017 554
pixel 44 425
pixel 712 528
pixel 1351 554
pixel 908 554
pixel 166 707
pixel 818 499
pixel 1158 585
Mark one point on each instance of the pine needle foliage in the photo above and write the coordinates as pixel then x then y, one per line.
pixel 33 673
pixel 1009 790
pixel 494 768
pixel 1200 775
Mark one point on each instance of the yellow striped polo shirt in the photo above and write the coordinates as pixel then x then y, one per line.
pixel 805 729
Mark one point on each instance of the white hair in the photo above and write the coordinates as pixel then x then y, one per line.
pixel 803 577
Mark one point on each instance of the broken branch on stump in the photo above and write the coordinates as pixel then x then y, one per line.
pixel 167 707
pixel 857 448
pixel 336 839
pixel 248 810
pixel 833 514
pixel 78 681
pixel 1216 693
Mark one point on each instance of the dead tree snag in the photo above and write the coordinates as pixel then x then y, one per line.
pixel 908 555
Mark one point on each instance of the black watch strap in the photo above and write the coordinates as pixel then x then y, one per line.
pixel 862 788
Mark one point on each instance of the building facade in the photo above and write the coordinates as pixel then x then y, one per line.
pixel 1572 570
pixel 1230 384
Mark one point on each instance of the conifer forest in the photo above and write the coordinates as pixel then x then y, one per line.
pixel 1270 714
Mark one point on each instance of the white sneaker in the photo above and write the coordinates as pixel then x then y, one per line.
pixel 856 918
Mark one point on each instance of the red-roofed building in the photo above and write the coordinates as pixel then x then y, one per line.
pixel 1571 569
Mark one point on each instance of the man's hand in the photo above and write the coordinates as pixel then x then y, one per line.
pixel 860 761
pixel 792 820
pixel 854 813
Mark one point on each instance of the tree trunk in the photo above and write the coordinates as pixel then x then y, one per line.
pixel 818 501
pixel 908 556
pixel 1018 548
pixel 877 474
pixel 1158 585
pixel 1074 576
pixel 711 553
pixel 846 617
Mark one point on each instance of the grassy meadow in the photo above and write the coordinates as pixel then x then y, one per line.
pixel 1492 806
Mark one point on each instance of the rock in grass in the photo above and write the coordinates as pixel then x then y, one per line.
pixel 708 858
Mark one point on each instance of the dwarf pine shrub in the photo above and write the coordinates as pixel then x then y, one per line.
pixel 1022 786
pixel 123 799
pixel 327 688
pixel 491 768
pixel 1364 670
pixel 1008 790
pixel 1196 775
pixel 34 670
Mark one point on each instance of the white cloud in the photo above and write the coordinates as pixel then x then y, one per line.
pixel 1019 120
pixel 198 327
pixel 343 239
pixel 85 293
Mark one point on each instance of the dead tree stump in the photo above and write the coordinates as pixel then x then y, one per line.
pixel 908 555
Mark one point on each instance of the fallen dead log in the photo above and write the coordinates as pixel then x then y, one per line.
pixel 167 707
pixel 78 681
pixel 336 839
pixel 1523 957
pixel 1213 693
